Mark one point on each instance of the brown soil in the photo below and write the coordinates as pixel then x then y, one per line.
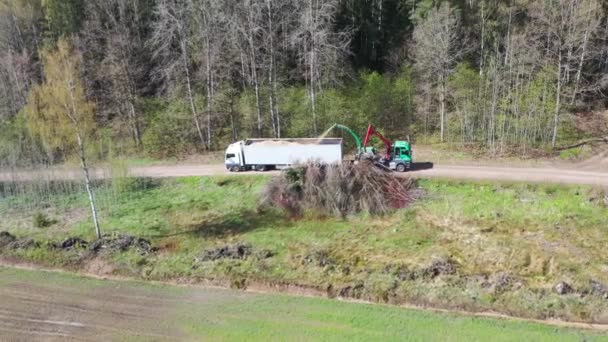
pixel 55 312
pixel 99 267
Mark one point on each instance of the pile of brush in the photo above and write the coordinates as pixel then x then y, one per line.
pixel 339 190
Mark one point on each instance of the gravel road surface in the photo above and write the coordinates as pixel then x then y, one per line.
pixel 596 176
pixel 423 170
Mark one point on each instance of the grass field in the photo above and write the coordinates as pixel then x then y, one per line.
pixel 471 246
pixel 213 314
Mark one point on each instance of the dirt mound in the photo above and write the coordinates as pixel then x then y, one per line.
pixel 598 289
pixel 121 243
pixel 563 288
pixel 237 251
pixel 71 243
pixel 6 238
pixel 439 267
pixel 319 258
pixel 9 241
pixel 352 291
pixel 503 281
pixel 24 243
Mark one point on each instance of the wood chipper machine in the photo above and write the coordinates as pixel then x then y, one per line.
pixel 397 154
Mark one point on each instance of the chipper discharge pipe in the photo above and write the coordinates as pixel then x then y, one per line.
pixel 351 132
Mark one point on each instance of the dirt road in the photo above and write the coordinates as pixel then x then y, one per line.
pixel 545 174
pixel 524 174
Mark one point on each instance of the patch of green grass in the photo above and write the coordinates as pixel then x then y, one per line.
pixel 537 235
pixel 211 314
pixel 283 317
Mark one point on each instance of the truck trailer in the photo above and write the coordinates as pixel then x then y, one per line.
pixel 268 154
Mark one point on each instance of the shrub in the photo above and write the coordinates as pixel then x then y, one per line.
pixel 339 190
pixel 42 221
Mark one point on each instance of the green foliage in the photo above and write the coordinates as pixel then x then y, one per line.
pixel 41 220
pixel 57 110
pixel 386 101
pixel 501 93
pixel 464 87
pixel 120 180
pixel 170 129
pixel 17 146
pixel 571 153
pixel 383 100
pixel 63 17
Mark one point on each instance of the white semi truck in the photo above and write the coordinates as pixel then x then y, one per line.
pixel 268 154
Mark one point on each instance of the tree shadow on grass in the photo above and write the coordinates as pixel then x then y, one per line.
pixel 236 223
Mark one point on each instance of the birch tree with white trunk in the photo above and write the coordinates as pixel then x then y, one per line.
pixel 59 113
pixel 172 43
pixel 438 46
pixel 319 47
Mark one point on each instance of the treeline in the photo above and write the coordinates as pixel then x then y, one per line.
pixel 169 77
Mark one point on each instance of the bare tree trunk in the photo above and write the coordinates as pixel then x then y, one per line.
pixel 493 108
pixel 190 94
pixel 256 87
pixel 483 31
pixel 313 99
pixel 209 94
pixel 427 102
pixel 442 106
pixel 275 128
pixel 271 79
pixel 254 72
pixel 71 113
pixel 508 40
pixel 580 66
pixel 243 73
pixel 134 124
pixel 558 98
pixel 232 123
pixel 15 76
pixel 87 183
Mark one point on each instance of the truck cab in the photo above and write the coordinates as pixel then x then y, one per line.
pixel 234 157
pixel 401 152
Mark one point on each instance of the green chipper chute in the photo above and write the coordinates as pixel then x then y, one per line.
pixel 351 132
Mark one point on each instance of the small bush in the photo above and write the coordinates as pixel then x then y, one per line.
pixel 599 196
pixel 41 220
pixel 339 190
pixel 570 154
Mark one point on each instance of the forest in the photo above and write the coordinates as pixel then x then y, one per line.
pixel 166 78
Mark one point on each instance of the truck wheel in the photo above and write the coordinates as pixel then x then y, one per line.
pixel 401 167
pixel 235 169
pixel 260 168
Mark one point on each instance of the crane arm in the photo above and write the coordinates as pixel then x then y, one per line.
pixel 371 131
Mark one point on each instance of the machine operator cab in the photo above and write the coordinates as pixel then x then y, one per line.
pixel 234 157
